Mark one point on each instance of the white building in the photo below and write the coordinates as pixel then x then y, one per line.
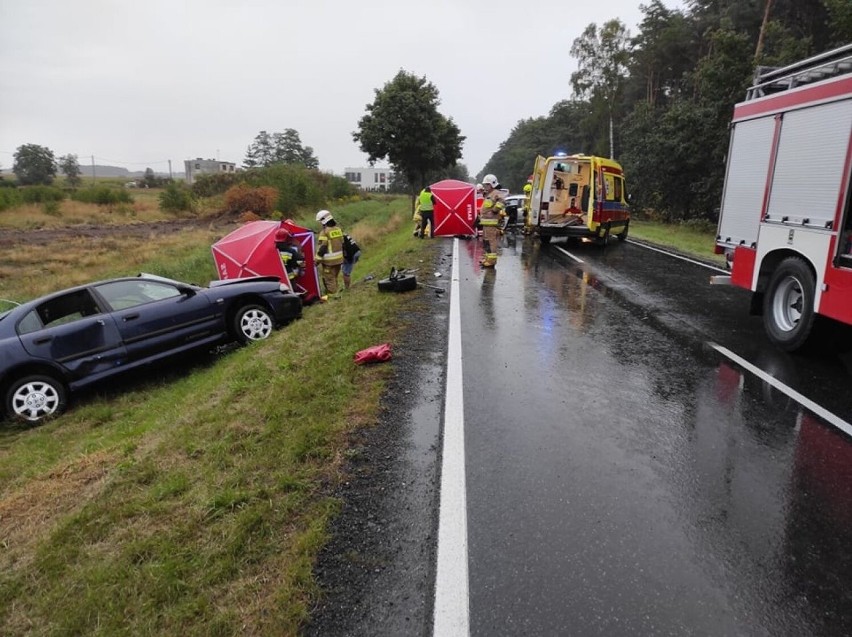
pixel 196 167
pixel 369 178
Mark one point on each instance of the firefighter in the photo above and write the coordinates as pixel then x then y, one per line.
pixel 427 210
pixel 527 201
pixel 492 212
pixel 417 219
pixel 291 255
pixel 329 250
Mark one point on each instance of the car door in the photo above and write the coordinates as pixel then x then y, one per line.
pixel 74 331
pixel 158 317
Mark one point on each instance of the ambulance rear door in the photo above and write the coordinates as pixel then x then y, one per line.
pixel 537 188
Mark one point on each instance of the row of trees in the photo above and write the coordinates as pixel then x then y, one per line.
pixel 661 101
pixel 279 148
pixel 37 165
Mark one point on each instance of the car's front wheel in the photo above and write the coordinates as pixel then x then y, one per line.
pixel 252 323
pixel 35 398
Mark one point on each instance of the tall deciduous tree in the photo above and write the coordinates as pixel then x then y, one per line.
pixel 839 21
pixel 663 52
pixel 34 164
pixel 602 58
pixel 403 125
pixel 70 167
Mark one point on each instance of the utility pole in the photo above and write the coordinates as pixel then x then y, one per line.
pixel 93 169
pixel 170 170
pixel 759 50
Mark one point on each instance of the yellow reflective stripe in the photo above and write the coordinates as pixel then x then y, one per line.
pixel 487 203
pixel 489 222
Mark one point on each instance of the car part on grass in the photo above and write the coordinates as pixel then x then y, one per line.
pixel 398 281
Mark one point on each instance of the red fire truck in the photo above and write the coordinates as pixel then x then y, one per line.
pixel 786 216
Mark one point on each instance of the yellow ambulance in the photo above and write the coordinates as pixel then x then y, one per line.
pixel 579 196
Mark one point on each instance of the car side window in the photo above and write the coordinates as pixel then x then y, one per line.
pixel 60 310
pixel 122 295
pixel 30 323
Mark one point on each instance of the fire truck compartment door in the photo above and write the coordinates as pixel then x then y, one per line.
pixel 745 182
pixel 809 168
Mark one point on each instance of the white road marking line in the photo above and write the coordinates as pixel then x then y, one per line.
pixel 808 404
pixel 451 616
pixel 564 251
pixel 677 256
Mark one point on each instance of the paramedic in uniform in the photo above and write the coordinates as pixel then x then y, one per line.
pixel 491 215
pixel 329 250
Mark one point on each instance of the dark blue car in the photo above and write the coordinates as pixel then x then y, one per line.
pixel 67 340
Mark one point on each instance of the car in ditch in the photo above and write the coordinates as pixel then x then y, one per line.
pixel 67 340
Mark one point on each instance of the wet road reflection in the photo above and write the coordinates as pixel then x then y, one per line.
pixel 623 477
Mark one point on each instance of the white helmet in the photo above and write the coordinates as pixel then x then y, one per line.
pixel 490 180
pixel 479 188
pixel 324 216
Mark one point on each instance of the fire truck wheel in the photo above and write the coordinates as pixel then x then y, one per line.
pixel 788 305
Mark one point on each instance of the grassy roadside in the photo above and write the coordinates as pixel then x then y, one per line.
pixel 682 238
pixel 192 504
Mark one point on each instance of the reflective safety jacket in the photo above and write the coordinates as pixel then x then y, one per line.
pixel 493 208
pixel 330 246
pixel 291 257
pixel 426 204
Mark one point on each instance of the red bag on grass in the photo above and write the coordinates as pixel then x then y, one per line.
pixel 374 354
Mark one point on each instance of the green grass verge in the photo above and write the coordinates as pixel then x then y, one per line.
pixel 192 504
pixel 695 241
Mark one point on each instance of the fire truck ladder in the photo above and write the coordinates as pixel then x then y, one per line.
pixel 769 80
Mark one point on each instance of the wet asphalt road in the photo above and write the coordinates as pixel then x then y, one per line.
pixel 623 476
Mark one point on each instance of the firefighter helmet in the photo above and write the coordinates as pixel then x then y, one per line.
pixel 282 234
pixel 490 180
pixel 324 216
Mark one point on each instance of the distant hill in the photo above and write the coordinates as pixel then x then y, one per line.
pixel 118 171
pixel 108 171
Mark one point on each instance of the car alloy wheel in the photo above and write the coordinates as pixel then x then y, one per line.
pixel 253 323
pixel 35 398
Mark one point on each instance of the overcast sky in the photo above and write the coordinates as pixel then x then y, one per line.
pixel 136 84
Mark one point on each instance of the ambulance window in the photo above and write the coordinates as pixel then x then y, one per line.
pixel 619 188
pixel 609 187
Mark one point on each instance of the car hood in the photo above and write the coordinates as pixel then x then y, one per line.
pixel 217 284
